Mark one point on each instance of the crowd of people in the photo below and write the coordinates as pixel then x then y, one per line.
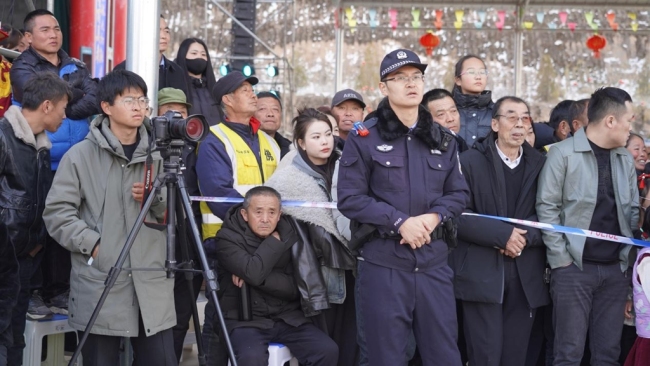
pixel 407 269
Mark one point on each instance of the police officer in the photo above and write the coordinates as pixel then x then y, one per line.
pixel 403 178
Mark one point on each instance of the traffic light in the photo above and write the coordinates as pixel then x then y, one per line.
pixel 272 71
pixel 248 70
pixel 224 69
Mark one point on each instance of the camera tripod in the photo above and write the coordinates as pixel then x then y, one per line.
pixel 173 180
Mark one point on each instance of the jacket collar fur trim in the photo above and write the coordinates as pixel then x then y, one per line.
pixel 391 128
pixel 23 132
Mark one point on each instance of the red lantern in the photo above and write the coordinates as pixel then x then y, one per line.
pixel 429 41
pixel 596 43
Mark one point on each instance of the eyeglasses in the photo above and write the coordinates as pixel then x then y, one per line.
pixel 407 79
pixel 474 72
pixel 129 102
pixel 513 118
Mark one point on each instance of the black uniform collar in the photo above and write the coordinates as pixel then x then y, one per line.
pixel 391 128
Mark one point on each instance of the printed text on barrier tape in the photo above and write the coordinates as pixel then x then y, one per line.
pixel 538 225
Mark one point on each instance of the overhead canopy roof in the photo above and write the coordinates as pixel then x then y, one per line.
pixel 564 4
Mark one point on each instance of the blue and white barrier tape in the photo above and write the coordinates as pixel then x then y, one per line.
pixel 534 224
pixel 284 203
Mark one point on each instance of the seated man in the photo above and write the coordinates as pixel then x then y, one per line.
pixel 254 248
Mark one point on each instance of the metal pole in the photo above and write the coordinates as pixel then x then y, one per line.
pixel 519 41
pixel 50 5
pixel 142 52
pixel 339 53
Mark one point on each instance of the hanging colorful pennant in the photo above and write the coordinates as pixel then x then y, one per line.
pixel 416 18
pixel 589 16
pixel 552 25
pixel 372 13
pixel 502 19
pixel 540 17
pixel 352 23
pixel 482 14
pixel 563 15
pixel 459 15
pixel 478 25
pixel 632 16
pixel 635 26
pixel 392 13
pixel 438 23
pixel 528 25
pixel 572 26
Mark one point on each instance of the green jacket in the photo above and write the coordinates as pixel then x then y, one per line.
pixel 567 191
pixel 90 201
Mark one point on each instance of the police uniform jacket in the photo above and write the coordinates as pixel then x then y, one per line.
pixel 477 263
pixel 395 173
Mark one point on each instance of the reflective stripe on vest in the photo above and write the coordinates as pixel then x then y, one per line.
pixel 245 169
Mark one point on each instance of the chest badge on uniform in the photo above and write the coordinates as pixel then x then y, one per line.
pixel 385 148
pixel 436 152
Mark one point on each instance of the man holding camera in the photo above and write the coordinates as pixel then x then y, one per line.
pixel 95 199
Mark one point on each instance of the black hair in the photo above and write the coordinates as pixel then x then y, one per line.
pixel 44 86
pixel 14 37
pixel 459 65
pixel 435 94
pixel 510 98
pixel 326 110
pixel 633 135
pixel 268 94
pixel 560 113
pixel 304 119
pixel 260 191
pixel 576 110
pixel 181 61
pixel 605 101
pixel 28 23
pixel 117 82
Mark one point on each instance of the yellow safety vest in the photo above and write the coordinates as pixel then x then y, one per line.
pixel 245 169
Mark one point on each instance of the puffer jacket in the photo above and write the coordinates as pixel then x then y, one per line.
pixel 316 226
pixel 83 106
pixel 90 203
pixel 265 264
pixel 25 177
pixel 475 114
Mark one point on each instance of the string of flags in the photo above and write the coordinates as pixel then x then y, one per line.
pixel 479 19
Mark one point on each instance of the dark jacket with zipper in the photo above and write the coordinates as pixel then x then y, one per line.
pixel 25 177
pixel 477 262
pixel 170 75
pixel 203 101
pixel 265 265
pixel 395 173
pixel 475 114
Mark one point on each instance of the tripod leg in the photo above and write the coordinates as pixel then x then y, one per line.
pixel 189 276
pixel 115 271
pixel 208 274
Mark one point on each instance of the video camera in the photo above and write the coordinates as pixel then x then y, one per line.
pixel 172 129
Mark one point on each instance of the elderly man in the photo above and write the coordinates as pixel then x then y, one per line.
pixel 236 156
pixel 589 275
pixel 440 103
pixel 269 113
pixel 403 180
pixel 499 267
pixel 254 250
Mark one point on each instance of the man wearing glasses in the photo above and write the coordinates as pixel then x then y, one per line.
pixel 95 198
pixel 499 266
pixel 403 179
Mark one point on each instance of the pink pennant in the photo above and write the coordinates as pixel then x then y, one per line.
pixel 572 26
pixel 563 15
pixel 502 18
